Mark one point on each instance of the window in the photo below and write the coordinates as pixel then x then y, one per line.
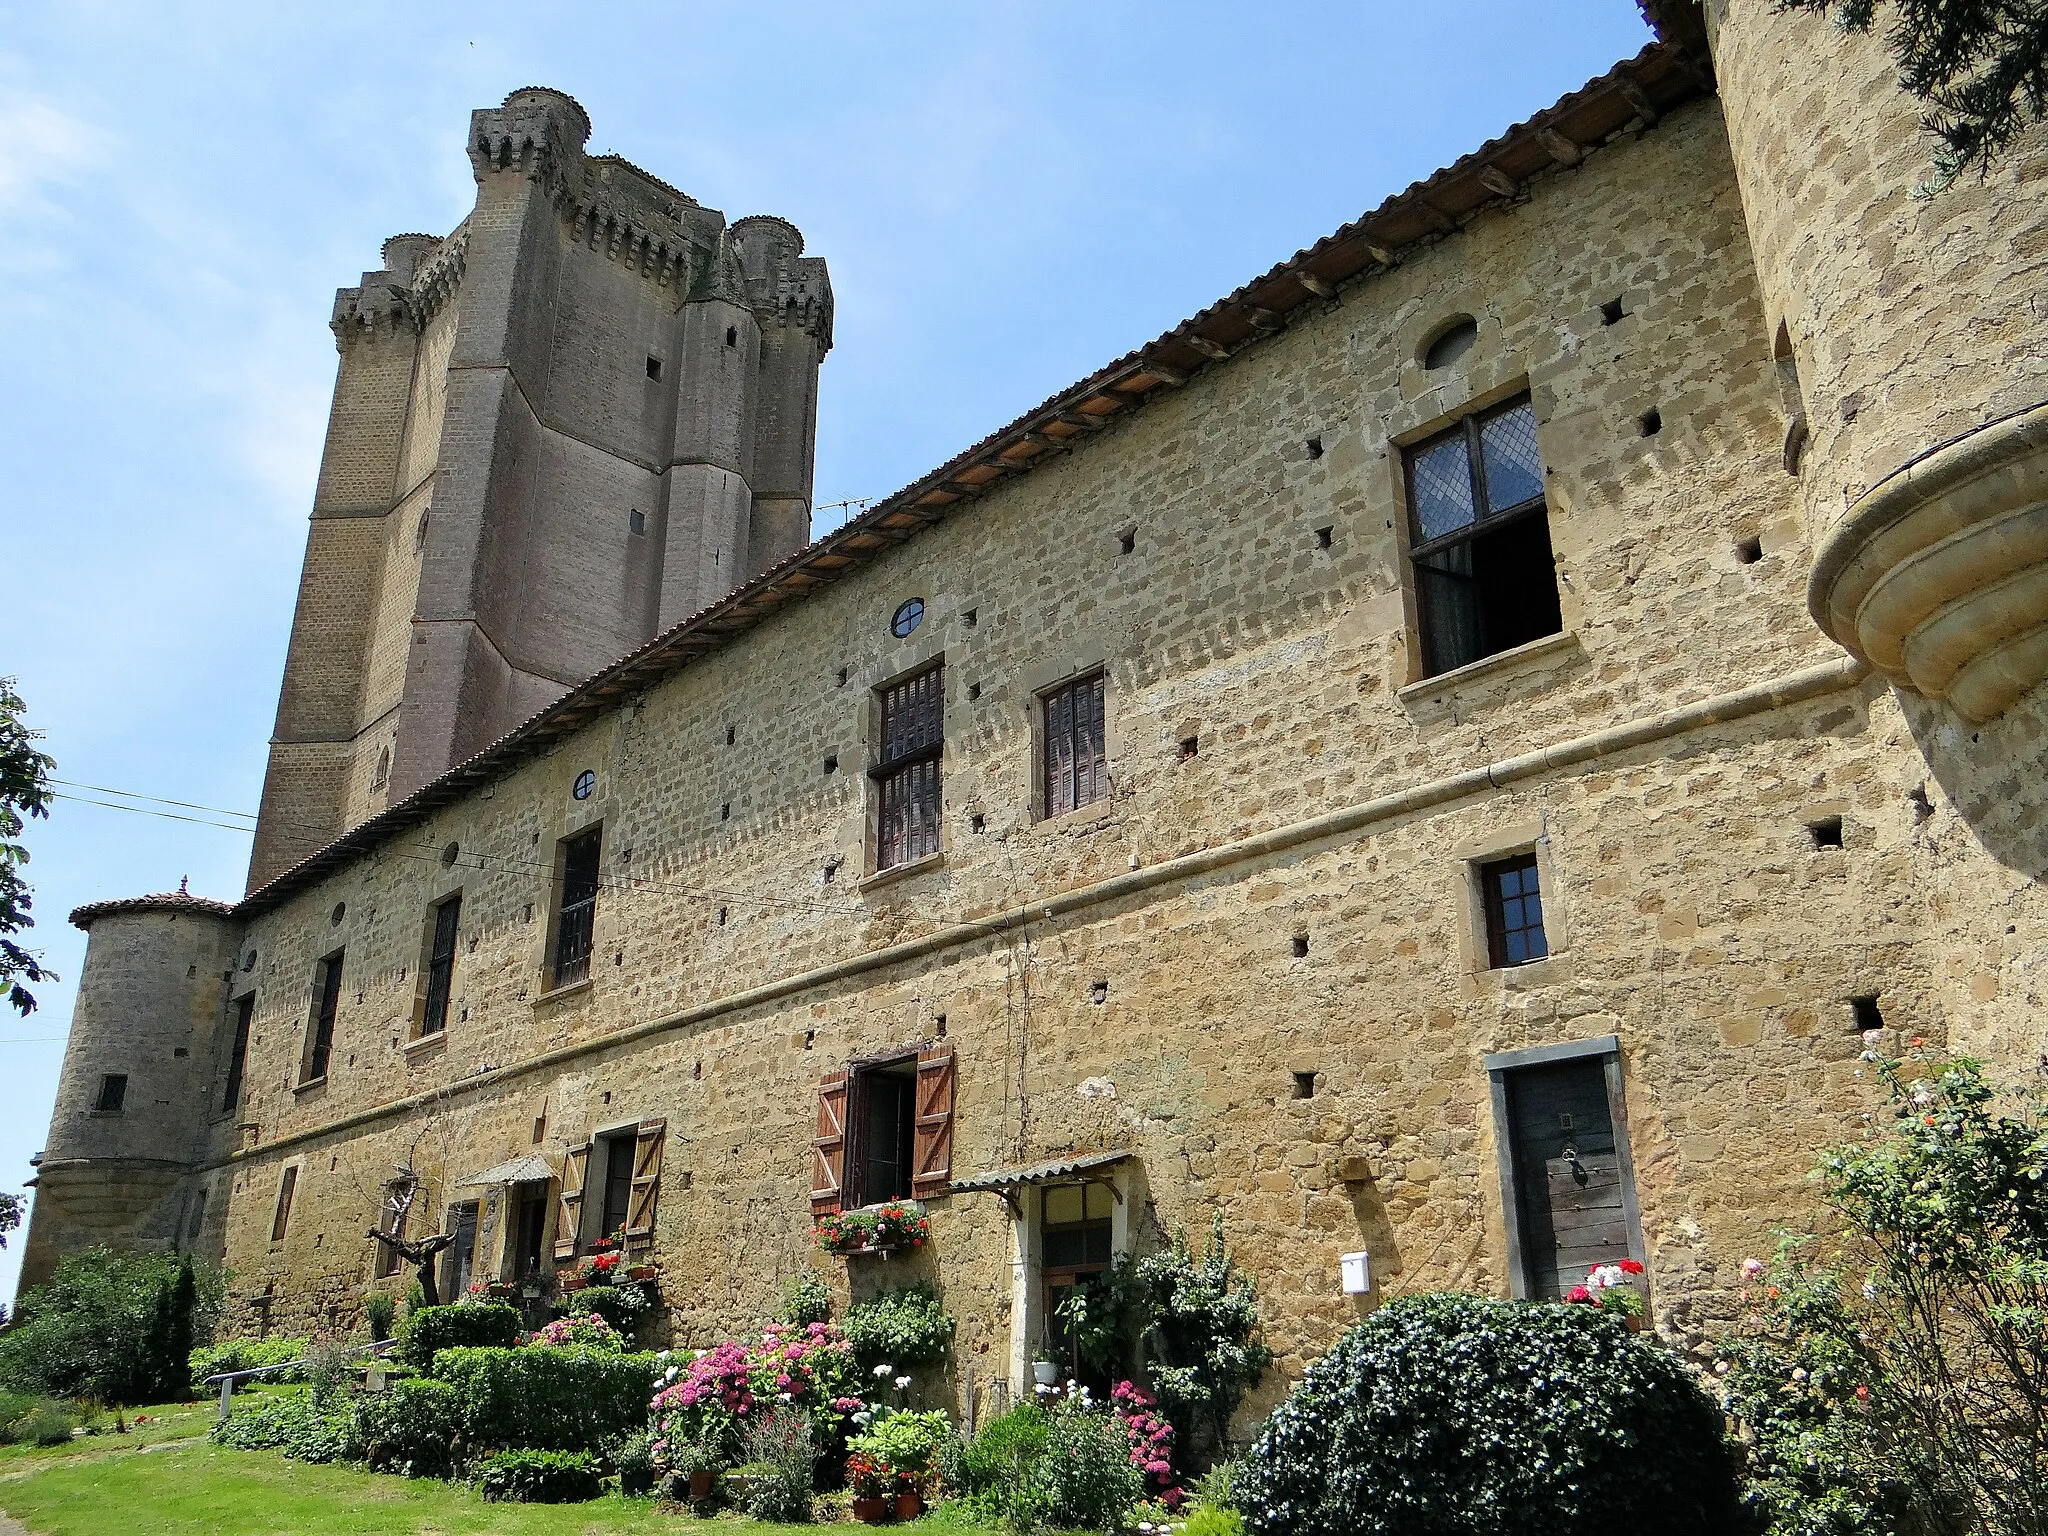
pixel 458 1263
pixel 440 967
pixel 627 1173
pixel 618 1182
pixel 391 1215
pixel 654 369
pixel 532 1223
pixel 238 1054
pixel 1484 578
pixel 913 742
pixel 281 1218
pixel 1076 769
pixel 1079 1222
pixel 576 920
pixel 885 1132
pixel 1514 911
pixel 320 1039
pixel 113 1093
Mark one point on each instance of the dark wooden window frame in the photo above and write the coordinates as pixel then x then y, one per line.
pixel 1073 770
pixel 281 1212
pixel 617 1144
pixel 573 924
pixel 443 935
pixel 909 770
pixel 1487 519
pixel 320 1027
pixel 1493 898
pixel 861 1078
pixel 113 1094
pixel 1498 1069
pixel 244 1010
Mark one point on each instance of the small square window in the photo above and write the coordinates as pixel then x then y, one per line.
pixel 1864 1014
pixel 1514 911
pixel 113 1093
pixel 636 521
pixel 654 369
pixel 1826 833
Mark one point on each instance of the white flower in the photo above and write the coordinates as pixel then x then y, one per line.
pixel 1720 1367
pixel 1870 1290
pixel 881 1371
pixel 785 1397
pixel 1799 1373
pixel 902 1382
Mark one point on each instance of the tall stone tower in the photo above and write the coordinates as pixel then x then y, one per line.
pixel 584 415
pixel 1912 344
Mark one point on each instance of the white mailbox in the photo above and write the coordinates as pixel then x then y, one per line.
pixel 1357 1273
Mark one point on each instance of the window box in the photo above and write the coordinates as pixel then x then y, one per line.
pixel 897 1226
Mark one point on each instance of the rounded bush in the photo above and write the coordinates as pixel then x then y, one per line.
pixel 463 1325
pixel 414 1428
pixel 1450 1413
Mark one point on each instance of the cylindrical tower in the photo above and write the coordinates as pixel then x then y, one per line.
pixel 127 1128
pixel 1913 338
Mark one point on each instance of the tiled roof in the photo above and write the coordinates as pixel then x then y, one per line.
pixel 1042 1173
pixel 1632 95
pixel 164 901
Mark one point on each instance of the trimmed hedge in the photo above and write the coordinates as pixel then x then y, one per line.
pixel 468 1325
pixel 1445 1413
pixel 540 1477
pixel 548 1399
pixel 248 1355
pixel 412 1428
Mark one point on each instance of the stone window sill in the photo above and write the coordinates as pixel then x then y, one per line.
pixel 1076 821
pixel 1431 688
pixel 562 994
pixel 425 1044
pixel 895 872
pixel 310 1084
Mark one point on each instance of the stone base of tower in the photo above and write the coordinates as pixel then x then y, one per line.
pixel 134 1204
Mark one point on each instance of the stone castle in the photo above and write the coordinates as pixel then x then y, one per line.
pixel 1452 753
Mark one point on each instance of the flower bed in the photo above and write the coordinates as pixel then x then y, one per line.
pixel 894 1226
pixel 721 1390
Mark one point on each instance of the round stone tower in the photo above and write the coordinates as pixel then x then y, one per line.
pixel 132 1100
pixel 1912 340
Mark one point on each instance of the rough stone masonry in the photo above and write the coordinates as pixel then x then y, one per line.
pixel 1451 753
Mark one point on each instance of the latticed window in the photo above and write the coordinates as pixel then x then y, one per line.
pixel 238 1054
pixel 1480 538
pixel 1076 766
pixel 576 919
pixel 1514 911
pixel 913 742
pixel 441 966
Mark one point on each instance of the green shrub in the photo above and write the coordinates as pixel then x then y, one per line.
pixel 548 1399
pixel 1085 1478
pixel 465 1325
pixel 622 1306
pixel 412 1428
pixel 783 1456
pixel 540 1477
pixel 379 1309
pixel 291 1425
pixel 1454 1413
pixel 29 1420
pixel 905 1444
pixel 14 1406
pixel 805 1300
pixel 113 1326
pixel 900 1328
pixel 247 1355
pixel 992 1464
pixel 632 1456
pixel 1209 1520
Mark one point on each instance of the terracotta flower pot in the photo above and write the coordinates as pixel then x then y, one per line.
pixel 870 1511
pixel 909 1506
pixel 573 1282
pixel 1634 1320
pixel 640 1272
pixel 700 1484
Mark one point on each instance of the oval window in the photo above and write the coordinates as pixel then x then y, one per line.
pixel 1451 343
pixel 586 781
pixel 908 617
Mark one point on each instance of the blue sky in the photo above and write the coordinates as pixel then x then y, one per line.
pixel 1009 196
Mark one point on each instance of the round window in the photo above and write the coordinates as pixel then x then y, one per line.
pixel 908 617
pixel 586 781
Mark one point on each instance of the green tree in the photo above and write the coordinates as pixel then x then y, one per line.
pixel 115 1326
pixel 1981 66
pixel 24 791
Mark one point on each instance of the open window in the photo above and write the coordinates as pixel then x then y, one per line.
pixel 281 1213
pixel 320 1028
pixel 440 968
pixel 1479 538
pixel 611 1184
pixel 885 1132
pixel 576 909
pixel 238 1053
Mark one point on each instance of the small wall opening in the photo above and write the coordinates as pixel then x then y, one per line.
pixel 1864 1014
pixel 1304 1085
pixel 636 521
pixel 1611 313
pixel 1749 551
pixel 1826 833
pixel 1189 746
pixel 1299 944
pixel 1324 537
pixel 1451 341
pixel 1127 541
pixel 1314 446
pixel 654 369
pixel 1650 423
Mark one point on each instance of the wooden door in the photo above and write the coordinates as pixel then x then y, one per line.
pixel 1568 1174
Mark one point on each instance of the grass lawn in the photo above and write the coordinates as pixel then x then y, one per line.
pixel 206 1489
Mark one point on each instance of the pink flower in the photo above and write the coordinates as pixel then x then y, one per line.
pixel 1578 1293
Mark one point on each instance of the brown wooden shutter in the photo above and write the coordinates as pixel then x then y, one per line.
pixel 932 1152
pixel 569 1209
pixel 828 1149
pixel 647 1144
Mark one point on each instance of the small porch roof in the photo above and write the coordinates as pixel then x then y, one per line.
pixel 1064 1171
pixel 530 1169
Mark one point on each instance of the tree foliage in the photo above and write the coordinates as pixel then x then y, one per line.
pixel 108 1325
pixel 1902 1383
pixel 1443 1414
pixel 24 792
pixel 1981 66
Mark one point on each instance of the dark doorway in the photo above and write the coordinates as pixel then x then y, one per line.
pixel 533 1220
pixel 459 1268
pixel 1571 1175
pixel 884 1132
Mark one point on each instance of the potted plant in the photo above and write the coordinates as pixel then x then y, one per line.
pixel 1045 1372
pixel 697 1464
pixel 872 1484
pixel 1612 1288
pixel 893 1226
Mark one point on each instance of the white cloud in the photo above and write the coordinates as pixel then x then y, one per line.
pixel 49 149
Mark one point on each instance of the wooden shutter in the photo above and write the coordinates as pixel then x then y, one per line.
pixel 647 1142
pixel 932 1151
pixel 569 1209
pixel 828 1149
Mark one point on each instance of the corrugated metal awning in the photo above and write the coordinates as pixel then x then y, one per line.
pixel 1066 1169
pixel 530 1169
